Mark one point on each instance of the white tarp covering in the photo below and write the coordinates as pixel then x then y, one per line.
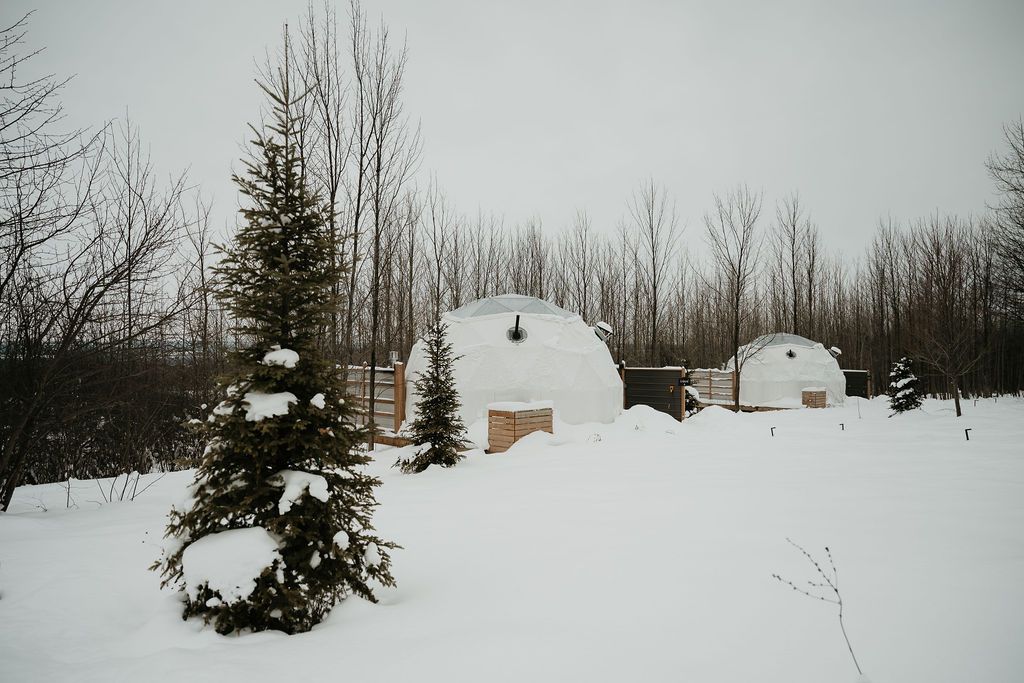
pixel 560 359
pixel 778 367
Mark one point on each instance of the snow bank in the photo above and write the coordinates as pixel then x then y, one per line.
pixel 715 415
pixel 228 562
pixel 926 529
pixel 532 441
pixel 283 357
pixel 295 484
pixel 642 418
pixel 262 406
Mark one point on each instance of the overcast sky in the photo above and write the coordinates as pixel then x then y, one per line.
pixel 540 108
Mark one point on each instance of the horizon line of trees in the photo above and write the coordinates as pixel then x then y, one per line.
pixel 110 334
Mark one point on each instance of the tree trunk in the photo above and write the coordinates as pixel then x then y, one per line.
pixel 956 394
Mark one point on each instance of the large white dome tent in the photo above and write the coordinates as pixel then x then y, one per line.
pixel 554 356
pixel 778 367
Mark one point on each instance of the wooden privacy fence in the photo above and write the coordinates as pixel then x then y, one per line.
pixel 660 388
pixel 389 399
pixel 858 383
pixel 714 386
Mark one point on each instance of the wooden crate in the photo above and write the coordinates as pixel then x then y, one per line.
pixel 813 398
pixel 505 427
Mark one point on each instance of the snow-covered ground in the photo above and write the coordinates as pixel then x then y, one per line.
pixel 639 551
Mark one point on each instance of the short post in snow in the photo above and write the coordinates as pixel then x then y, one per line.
pixel 773 431
pixel 966 434
pixel 842 427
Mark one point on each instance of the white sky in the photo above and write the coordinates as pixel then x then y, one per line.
pixel 539 108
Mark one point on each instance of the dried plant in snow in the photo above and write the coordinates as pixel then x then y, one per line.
pixel 825 590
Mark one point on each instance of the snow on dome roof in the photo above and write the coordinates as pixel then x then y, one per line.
pixel 777 367
pixel 509 303
pixel 782 339
pixel 555 357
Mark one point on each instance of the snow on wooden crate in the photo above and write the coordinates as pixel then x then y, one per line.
pixel 507 422
pixel 813 397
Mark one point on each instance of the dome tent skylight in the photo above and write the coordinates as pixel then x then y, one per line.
pixel 510 303
pixel 782 339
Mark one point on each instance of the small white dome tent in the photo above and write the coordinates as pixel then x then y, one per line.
pixel 778 367
pixel 556 357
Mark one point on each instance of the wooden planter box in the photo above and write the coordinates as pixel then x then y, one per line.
pixel 813 398
pixel 507 424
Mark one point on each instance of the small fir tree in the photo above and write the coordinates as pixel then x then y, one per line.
pixel 438 430
pixel 904 387
pixel 690 400
pixel 281 489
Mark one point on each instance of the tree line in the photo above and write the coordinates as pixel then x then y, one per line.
pixel 111 336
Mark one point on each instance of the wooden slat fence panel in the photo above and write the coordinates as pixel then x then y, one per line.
pixel 505 427
pixel 714 386
pixel 389 390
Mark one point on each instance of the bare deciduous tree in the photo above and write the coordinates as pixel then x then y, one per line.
pixel 731 233
pixel 657 229
pixel 1007 170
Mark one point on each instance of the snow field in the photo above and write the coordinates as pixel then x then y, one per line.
pixel 640 550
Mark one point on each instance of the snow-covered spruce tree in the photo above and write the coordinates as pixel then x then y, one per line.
pixel 692 395
pixel 438 430
pixel 278 528
pixel 904 389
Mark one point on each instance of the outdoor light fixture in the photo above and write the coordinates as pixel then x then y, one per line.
pixel 603 331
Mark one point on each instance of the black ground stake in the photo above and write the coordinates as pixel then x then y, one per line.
pixel 966 434
pixel 842 427
pixel 773 431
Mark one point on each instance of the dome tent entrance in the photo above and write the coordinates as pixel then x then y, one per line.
pixel 778 367
pixel 554 355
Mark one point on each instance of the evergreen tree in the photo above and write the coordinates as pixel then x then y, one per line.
pixel 690 400
pixel 438 430
pixel 904 387
pixel 281 488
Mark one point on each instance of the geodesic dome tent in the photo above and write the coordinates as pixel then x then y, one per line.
pixel 553 356
pixel 778 367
